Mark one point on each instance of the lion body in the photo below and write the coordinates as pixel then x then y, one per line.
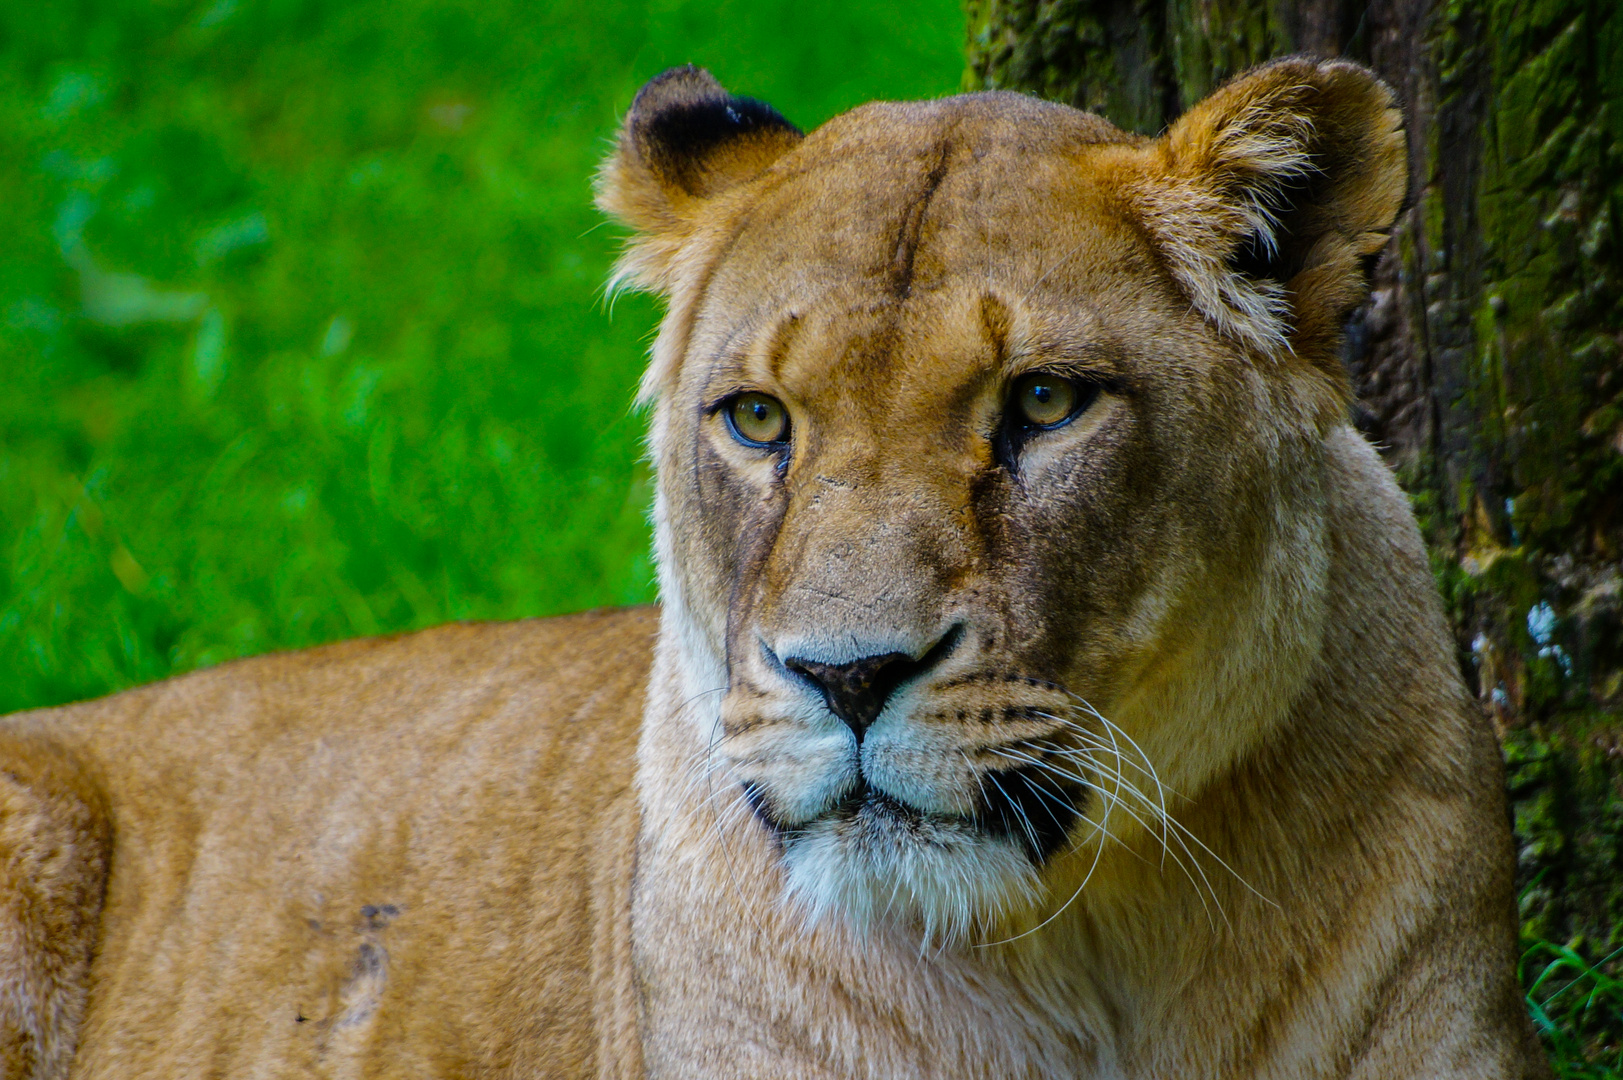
pixel 280 877
pixel 668 846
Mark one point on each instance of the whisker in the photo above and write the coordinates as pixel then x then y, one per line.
pixel 1066 807
pixel 1148 764
pixel 1178 861
pixel 1126 808
pixel 1092 742
pixel 1156 808
pixel 1025 822
pixel 986 798
pixel 1042 793
pixel 722 832
pixel 1097 852
pixel 1174 823
pixel 1166 835
pixel 1184 830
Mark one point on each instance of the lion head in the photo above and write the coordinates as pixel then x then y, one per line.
pixel 991 456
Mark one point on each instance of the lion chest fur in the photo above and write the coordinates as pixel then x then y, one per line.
pixel 1048 680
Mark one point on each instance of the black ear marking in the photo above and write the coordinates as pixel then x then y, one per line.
pixel 1277 258
pixel 683 118
pixel 684 142
pixel 1257 259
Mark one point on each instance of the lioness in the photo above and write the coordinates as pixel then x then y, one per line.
pixel 1048 682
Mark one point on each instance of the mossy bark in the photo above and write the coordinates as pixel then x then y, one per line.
pixel 1487 363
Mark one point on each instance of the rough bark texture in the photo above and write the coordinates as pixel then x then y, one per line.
pixel 1487 363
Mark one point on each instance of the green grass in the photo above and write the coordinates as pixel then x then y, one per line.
pixel 301 322
pixel 1577 1008
pixel 302 333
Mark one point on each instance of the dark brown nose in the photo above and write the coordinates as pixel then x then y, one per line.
pixel 856 692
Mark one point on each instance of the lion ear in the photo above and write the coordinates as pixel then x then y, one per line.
pixel 685 141
pixel 1270 197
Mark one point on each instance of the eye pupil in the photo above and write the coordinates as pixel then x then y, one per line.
pixel 1046 401
pixel 757 419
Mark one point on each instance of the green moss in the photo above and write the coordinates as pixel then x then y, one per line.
pixel 1108 58
pixel 1211 41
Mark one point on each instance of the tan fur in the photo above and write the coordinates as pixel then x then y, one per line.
pixel 400 857
pixel 1278 843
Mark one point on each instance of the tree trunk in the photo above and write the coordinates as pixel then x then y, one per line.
pixel 1487 364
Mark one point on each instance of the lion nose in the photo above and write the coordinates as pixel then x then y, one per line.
pixel 856 692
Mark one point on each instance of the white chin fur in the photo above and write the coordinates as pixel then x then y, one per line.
pixel 949 880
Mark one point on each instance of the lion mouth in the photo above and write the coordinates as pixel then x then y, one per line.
pixel 1024 806
pixel 867 806
pixel 862 804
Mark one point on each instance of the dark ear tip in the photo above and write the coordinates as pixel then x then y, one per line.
pixel 682 117
pixel 687 104
pixel 685 85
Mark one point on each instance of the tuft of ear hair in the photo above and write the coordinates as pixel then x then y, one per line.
pixel 1269 198
pixel 685 141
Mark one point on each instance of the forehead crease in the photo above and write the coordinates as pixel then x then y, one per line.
pixel 859 235
pixel 854 207
pixel 844 336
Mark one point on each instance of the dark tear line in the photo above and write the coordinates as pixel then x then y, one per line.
pixel 907 237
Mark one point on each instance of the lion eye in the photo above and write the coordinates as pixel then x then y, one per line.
pixel 1046 401
pixel 757 420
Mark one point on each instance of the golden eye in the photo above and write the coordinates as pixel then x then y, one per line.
pixel 1045 400
pixel 757 420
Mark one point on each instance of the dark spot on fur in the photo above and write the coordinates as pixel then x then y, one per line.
pixel 378 916
pixel 1252 259
pixel 756 798
pixel 689 131
pixel 369 960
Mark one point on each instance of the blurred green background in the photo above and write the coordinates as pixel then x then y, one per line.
pixel 302 329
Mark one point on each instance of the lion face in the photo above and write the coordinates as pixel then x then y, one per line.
pixel 961 455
